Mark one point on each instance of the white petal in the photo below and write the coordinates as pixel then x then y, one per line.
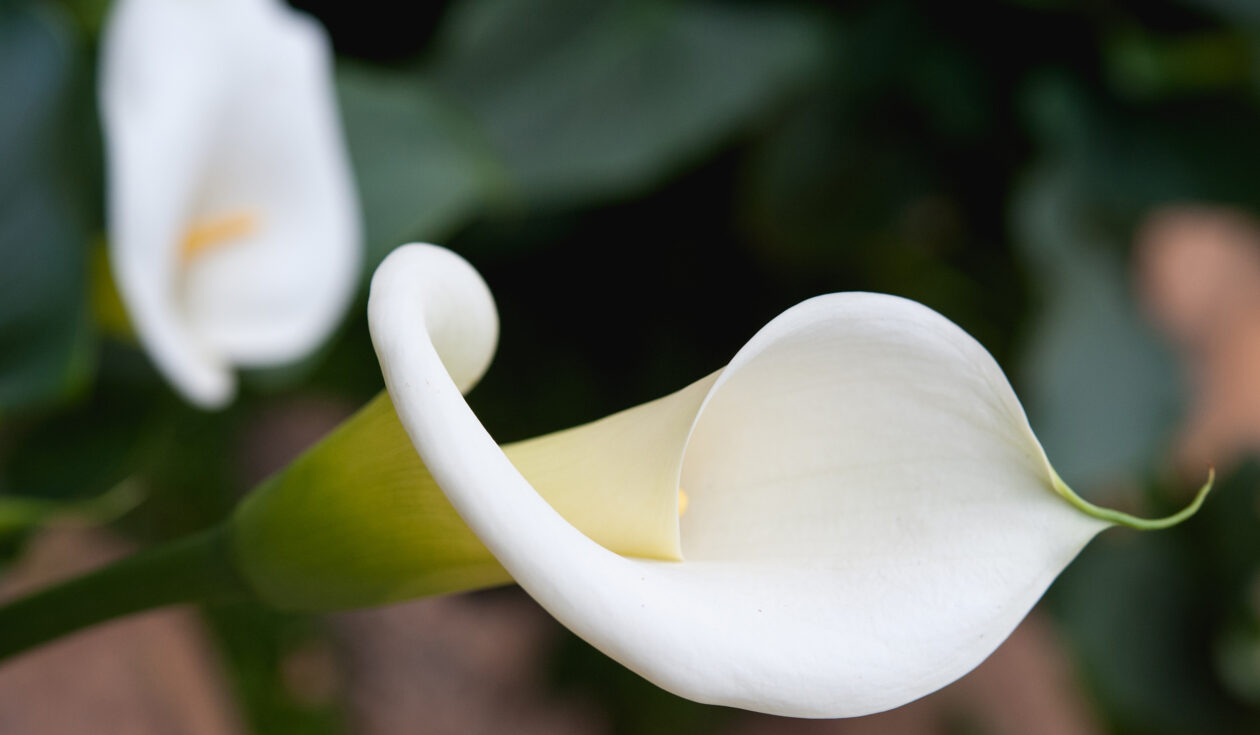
pixel 870 514
pixel 864 469
pixel 214 109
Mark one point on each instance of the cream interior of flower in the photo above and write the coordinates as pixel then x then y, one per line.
pixel 616 479
pixel 233 224
pixel 869 514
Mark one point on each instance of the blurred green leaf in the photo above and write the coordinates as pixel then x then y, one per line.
pixel 1101 392
pixel 88 14
pixel 1125 159
pixel 18 514
pixel 1164 624
pixel 1135 612
pixel 1229 549
pixel 1243 12
pixel 420 171
pixel 1145 65
pixel 588 101
pixel 44 209
pixel 85 450
pixel 889 174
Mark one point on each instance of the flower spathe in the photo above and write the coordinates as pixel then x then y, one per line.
pixel 869 512
pixel 234 230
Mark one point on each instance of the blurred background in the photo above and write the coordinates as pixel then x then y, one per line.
pixel 644 185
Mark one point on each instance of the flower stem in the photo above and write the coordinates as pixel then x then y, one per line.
pixel 196 568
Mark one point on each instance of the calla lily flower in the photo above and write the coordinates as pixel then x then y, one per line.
pixel 850 515
pixel 233 223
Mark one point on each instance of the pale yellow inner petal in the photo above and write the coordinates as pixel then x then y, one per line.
pixel 616 479
pixel 682 502
pixel 211 234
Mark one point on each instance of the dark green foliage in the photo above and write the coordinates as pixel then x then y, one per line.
pixel 47 178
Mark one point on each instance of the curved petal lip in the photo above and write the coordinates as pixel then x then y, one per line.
pixel 869 515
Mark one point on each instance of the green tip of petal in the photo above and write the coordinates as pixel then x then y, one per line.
pixel 1124 519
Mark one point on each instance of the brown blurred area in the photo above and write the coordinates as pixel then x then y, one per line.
pixel 150 674
pixel 459 664
pixel 1198 272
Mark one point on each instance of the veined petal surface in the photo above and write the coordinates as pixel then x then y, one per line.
pixel 870 514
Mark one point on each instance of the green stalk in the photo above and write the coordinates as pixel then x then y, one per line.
pixel 197 568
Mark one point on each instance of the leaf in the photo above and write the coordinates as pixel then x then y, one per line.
pixel 600 100
pixel 18 514
pixel 420 175
pixel 1148 66
pixel 1122 160
pixel 44 210
pixel 1102 393
pixel 95 445
pixel 1134 610
pixel 1241 12
pixel 1163 624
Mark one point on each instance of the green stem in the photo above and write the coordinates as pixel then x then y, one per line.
pixel 197 568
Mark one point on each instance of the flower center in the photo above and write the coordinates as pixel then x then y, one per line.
pixel 210 234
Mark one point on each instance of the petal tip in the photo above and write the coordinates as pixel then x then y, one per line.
pixel 1120 518
pixel 423 281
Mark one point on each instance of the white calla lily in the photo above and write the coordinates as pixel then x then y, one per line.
pixel 867 512
pixel 233 222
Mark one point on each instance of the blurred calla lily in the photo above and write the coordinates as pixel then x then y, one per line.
pixel 233 223
pixel 851 514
